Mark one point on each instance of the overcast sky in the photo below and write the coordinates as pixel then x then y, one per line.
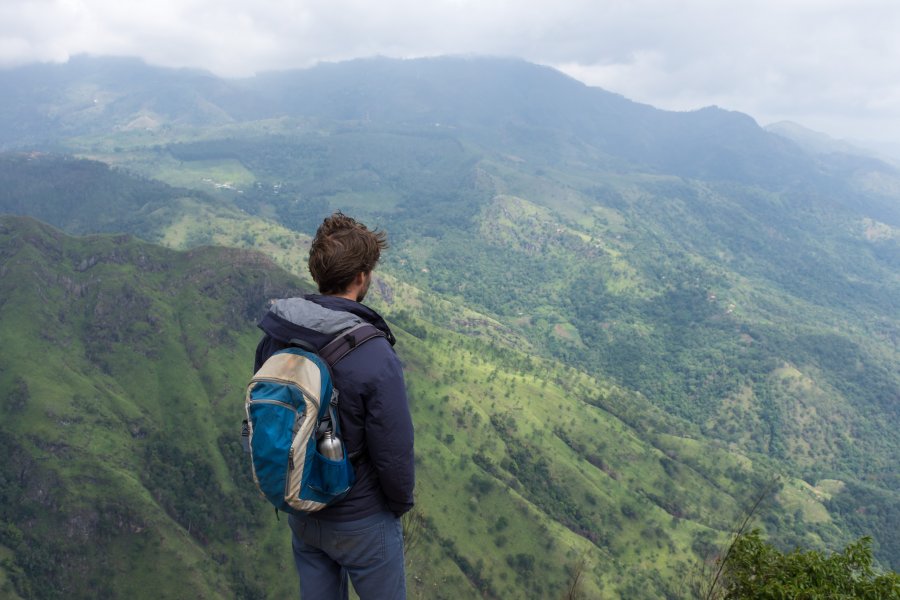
pixel 831 65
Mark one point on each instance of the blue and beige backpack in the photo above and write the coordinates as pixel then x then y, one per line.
pixel 291 429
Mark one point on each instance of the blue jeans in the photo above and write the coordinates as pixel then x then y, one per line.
pixel 369 550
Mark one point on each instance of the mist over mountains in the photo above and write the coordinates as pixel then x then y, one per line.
pixel 704 304
pixel 99 94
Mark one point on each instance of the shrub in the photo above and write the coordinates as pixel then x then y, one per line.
pixel 755 569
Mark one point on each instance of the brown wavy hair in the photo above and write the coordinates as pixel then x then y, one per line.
pixel 342 248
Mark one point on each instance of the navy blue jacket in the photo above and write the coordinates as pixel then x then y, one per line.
pixel 373 408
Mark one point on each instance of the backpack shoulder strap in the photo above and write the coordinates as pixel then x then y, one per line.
pixel 349 340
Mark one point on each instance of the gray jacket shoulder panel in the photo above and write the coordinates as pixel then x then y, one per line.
pixel 312 316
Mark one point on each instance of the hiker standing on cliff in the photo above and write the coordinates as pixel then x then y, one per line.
pixel 359 536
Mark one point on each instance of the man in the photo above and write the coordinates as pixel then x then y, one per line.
pixel 360 535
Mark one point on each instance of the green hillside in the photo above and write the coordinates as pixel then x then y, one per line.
pixel 122 365
pixel 119 421
pixel 619 323
pixel 129 413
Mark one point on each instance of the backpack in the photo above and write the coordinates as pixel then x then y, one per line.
pixel 291 428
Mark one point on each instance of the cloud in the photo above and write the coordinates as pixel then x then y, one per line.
pixel 831 64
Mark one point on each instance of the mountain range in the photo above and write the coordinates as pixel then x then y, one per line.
pixel 620 324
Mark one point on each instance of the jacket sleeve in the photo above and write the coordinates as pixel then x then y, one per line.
pixel 389 435
pixel 263 352
pixel 267 347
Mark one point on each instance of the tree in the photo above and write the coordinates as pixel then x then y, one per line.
pixel 754 569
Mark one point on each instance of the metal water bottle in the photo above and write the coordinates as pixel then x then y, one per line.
pixel 330 446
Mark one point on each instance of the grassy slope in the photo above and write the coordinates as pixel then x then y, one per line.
pixel 524 471
pixel 648 484
pixel 137 355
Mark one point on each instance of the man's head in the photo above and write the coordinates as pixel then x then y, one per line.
pixel 343 254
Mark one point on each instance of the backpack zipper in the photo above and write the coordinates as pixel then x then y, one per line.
pixel 275 402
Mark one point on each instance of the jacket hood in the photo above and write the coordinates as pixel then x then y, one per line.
pixel 318 319
pixel 310 315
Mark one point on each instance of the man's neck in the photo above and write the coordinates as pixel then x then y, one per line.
pixel 357 288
